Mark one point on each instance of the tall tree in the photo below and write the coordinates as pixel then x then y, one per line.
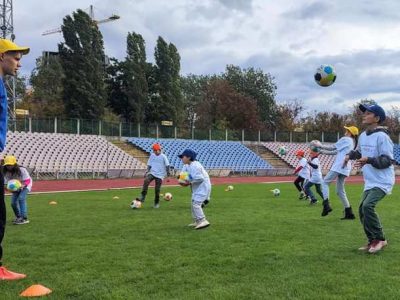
pixel 127 81
pixel 168 106
pixel 223 107
pixel 193 88
pixel 82 57
pixel 258 85
pixel 47 84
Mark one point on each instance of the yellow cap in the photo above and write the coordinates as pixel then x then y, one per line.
pixel 353 129
pixel 7 45
pixel 10 160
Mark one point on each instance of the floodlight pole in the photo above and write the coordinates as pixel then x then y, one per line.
pixel 7 32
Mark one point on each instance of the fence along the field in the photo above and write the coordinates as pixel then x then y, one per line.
pixel 112 129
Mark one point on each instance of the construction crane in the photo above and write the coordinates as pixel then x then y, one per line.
pixel 91 14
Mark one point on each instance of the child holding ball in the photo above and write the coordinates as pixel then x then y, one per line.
pixel 200 183
pixel 12 170
pixel 315 178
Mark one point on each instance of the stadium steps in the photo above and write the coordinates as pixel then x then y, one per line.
pixel 132 150
pixel 269 156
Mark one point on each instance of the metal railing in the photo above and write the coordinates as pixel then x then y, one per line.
pixel 113 129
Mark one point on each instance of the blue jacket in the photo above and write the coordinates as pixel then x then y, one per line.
pixel 3 115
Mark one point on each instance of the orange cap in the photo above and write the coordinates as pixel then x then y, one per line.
pixel 156 147
pixel 299 153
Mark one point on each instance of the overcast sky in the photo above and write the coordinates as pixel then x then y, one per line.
pixel 287 38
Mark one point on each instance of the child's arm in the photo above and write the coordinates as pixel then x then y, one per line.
pixel 385 158
pixel 196 176
pixel 314 166
pixel 329 148
pixel 329 152
pixel 298 169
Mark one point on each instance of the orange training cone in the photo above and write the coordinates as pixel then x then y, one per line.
pixel 35 290
pixel 8 275
pixel 52 202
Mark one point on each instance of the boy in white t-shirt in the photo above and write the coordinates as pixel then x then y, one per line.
pixel 315 178
pixel 374 154
pixel 199 180
pixel 303 173
pixel 157 169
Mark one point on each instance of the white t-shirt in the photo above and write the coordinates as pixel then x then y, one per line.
pixel 305 171
pixel 316 174
pixel 343 147
pixel 23 178
pixel 200 180
pixel 158 164
pixel 374 145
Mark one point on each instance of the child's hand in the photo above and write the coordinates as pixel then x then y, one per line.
pixel 361 162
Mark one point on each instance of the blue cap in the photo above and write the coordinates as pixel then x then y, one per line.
pixel 375 109
pixel 188 153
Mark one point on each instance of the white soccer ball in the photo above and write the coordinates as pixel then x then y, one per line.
pixel 168 197
pixel 276 192
pixel 136 204
pixel 230 188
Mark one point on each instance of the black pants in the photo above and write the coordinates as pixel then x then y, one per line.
pixel 149 178
pixel 2 214
pixel 299 182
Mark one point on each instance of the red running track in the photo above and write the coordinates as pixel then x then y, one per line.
pixel 105 184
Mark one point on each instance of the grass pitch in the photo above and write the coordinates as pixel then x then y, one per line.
pixel 91 246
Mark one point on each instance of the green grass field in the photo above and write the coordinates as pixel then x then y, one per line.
pixel 90 246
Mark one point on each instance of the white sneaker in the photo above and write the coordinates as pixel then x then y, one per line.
pixel 194 224
pixel 202 224
pixel 156 205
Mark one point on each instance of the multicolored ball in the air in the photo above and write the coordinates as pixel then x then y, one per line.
pixel 13 185
pixel 325 75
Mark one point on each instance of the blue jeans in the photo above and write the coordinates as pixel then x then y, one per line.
pixel 309 193
pixel 18 203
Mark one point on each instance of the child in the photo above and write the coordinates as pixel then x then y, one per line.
pixel 201 187
pixel 12 170
pixel 315 178
pixel 339 172
pixel 157 169
pixel 303 173
pixel 374 154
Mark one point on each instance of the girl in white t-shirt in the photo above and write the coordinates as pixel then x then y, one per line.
pixel 12 170
pixel 339 171
pixel 303 173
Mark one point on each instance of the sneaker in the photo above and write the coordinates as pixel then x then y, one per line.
pixel 202 224
pixel 15 220
pixel 194 224
pixel 326 208
pixel 377 246
pixel 156 205
pixel 313 202
pixel 8 275
pixel 365 247
pixel 21 221
pixel 302 195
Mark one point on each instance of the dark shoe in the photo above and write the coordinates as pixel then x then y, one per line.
pixel 313 202
pixel 348 214
pixel 326 208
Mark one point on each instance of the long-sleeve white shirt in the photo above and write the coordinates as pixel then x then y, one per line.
pixel 200 181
